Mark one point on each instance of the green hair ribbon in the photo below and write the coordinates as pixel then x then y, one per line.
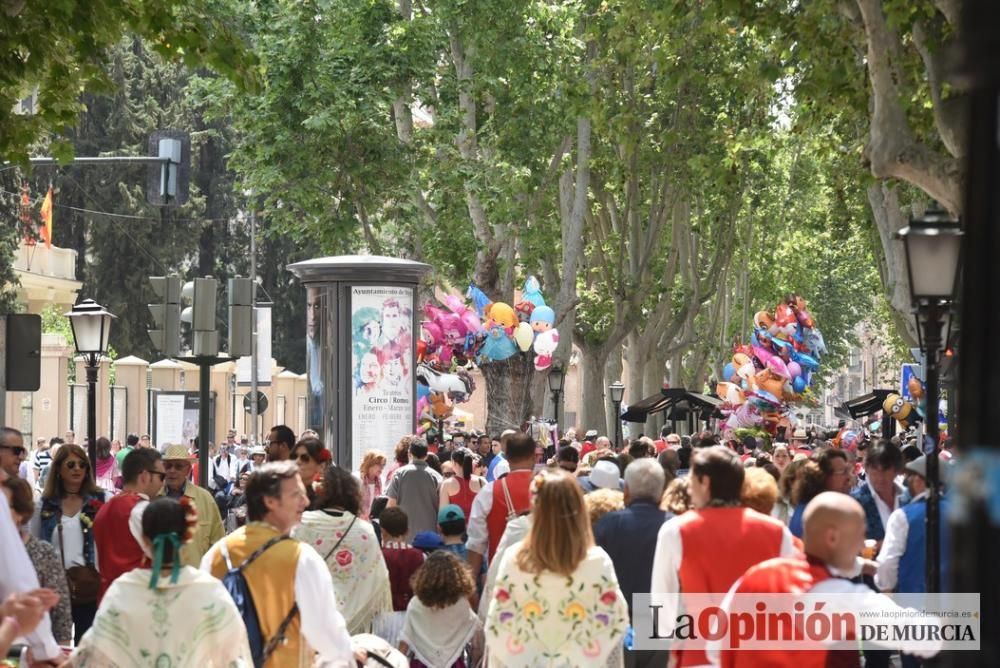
pixel 158 544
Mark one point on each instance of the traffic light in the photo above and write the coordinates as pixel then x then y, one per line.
pixel 201 315
pixel 166 335
pixel 240 317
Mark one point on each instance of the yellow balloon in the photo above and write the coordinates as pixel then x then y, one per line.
pixel 524 336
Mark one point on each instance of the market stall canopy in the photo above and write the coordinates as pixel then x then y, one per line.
pixel 866 404
pixel 677 401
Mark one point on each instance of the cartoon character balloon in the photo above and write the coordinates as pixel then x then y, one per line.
pixel 545 346
pixel 533 291
pixel 543 318
pixel 500 313
pixel 900 409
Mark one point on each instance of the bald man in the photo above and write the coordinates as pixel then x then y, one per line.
pixel 834 535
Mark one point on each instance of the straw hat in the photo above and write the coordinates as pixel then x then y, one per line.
pixel 176 452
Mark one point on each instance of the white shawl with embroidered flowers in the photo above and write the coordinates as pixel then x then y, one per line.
pixel 554 621
pixel 191 624
pixel 360 577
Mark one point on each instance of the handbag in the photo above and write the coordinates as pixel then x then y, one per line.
pixel 84 581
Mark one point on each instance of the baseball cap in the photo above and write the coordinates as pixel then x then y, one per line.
pixel 605 474
pixel 450 513
pixel 427 540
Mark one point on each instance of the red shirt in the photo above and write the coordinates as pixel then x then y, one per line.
pixel 402 560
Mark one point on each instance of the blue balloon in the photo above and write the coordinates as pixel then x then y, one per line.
pixel 728 371
pixel 799 384
pixel 805 361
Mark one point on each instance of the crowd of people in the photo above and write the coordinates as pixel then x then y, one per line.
pixel 446 554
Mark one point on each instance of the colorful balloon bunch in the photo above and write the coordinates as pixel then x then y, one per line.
pixel 488 331
pixel 459 334
pixel 773 370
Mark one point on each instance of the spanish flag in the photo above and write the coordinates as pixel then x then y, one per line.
pixel 46 214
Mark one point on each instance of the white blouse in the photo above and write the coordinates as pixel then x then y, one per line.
pixel 71 541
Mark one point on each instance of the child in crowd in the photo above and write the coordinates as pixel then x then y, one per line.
pixel 440 623
pixel 402 560
pixel 451 525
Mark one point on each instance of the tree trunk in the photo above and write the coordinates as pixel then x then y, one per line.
pixel 592 414
pixel 652 383
pixel 637 360
pixel 508 393
pixel 889 219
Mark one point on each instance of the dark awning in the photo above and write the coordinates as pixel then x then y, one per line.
pixel 676 401
pixel 866 404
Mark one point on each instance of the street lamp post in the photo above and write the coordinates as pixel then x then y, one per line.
pixel 556 378
pixel 91 324
pixel 617 390
pixel 933 250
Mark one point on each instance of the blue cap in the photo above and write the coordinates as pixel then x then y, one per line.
pixel 450 513
pixel 427 540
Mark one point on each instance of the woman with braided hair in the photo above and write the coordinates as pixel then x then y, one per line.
pixel 169 614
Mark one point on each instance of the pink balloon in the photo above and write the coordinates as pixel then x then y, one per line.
pixel 472 322
pixel 778 367
pixel 795 369
pixel 763 355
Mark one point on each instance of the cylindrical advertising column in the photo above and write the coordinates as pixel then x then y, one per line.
pixel 361 335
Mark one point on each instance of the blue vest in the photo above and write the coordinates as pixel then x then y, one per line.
pixel 912 564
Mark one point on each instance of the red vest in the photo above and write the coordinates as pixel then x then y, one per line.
pixel 791 576
pixel 718 546
pixel 519 486
pixel 117 551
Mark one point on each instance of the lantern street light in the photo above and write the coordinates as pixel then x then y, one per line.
pixel 933 261
pixel 556 378
pixel 617 390
pixel 91 324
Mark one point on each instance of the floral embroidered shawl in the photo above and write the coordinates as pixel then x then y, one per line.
pixel 555 621
pixel 360 577
pixel 191 624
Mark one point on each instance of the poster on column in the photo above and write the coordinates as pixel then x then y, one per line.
pixel 381 373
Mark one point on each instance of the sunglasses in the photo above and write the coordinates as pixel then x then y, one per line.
pixel 179 466
pixel 73 465
pixel 304 458
pixel 163 476
pixel 16 449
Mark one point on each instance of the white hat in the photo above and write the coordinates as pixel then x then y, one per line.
pixel 605 474
pixel 918 466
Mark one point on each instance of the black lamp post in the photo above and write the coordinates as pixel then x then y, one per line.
pixel 556 378
pixel 933 253
pixel 617 391
pixel 91 324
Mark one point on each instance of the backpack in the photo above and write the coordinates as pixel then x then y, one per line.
pixel 235 583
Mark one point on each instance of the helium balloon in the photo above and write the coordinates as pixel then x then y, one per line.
pixel 778 368
pixel 805 361
pixel 916 388
pixel 524 336
pixel 500 313
pixel 794 369
pixel 849 440
pixel 899 408
pixel 728 372
pixel 799 384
